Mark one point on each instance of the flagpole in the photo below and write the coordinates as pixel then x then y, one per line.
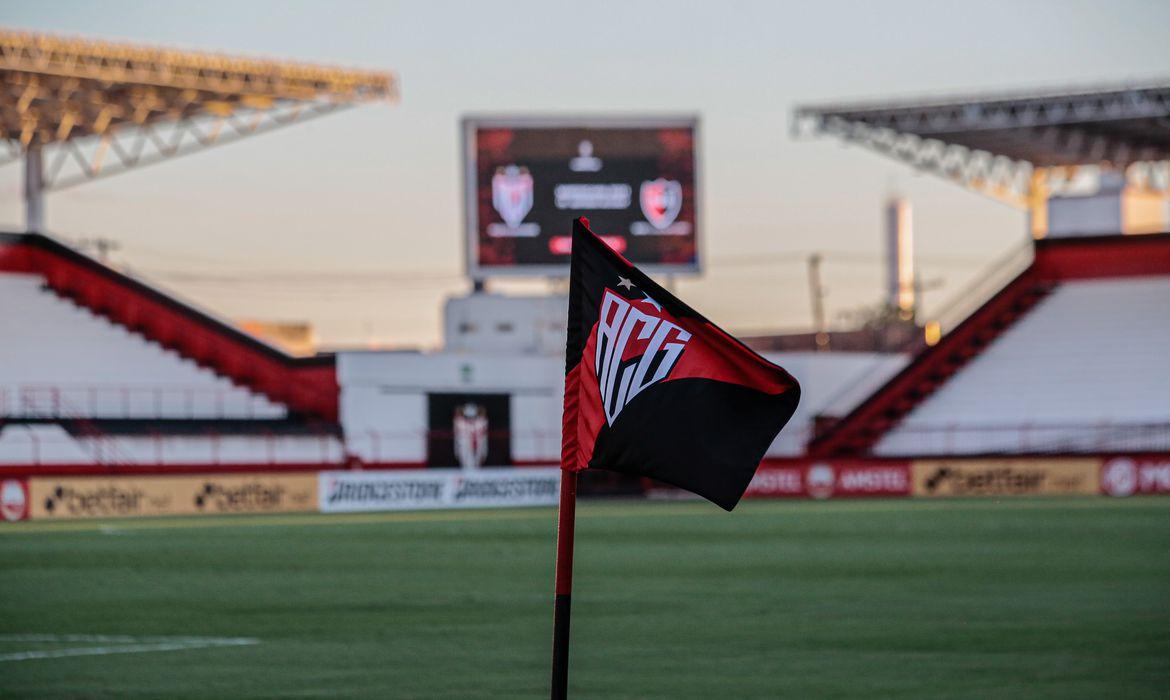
pixel 566 517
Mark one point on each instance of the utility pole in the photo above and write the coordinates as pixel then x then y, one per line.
pixel 816 293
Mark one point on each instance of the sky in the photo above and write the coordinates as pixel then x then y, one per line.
pixel 376 191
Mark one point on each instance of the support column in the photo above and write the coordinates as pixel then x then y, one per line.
pixel 34 190
pixel 1038 192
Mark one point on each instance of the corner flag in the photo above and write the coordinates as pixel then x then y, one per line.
pixel 653 389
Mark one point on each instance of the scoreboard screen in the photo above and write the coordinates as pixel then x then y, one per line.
pixel 526 179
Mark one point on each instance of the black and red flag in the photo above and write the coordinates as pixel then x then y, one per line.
pixel 653 389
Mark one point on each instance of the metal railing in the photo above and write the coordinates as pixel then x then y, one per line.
pixel 103 401
pixel 918 439
pixel 26 446
pixel 986 284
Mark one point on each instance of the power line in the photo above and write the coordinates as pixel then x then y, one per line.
pixel 384 277
pixel 839 256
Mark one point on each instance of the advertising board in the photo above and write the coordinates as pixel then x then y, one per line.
pixel 13 500
pixel 1127 476
pixel 71 498
pixel 828 479
pixel 358 491
pixel 1005 477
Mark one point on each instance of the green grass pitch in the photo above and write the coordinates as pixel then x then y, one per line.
pixel 932 599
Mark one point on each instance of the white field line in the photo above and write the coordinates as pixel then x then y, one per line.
pixel 122 644
pixel 751 508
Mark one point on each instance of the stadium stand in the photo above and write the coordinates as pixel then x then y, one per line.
pixel 60 366
pixel 1063 395
pixel 98 368
pixel 831 384
pixel 99 371
pixel 1069 357
pixel 307 386
pixel 39 444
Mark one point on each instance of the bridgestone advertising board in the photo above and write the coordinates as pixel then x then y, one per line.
pixel 358 491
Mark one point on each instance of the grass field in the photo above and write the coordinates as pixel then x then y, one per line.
pixel 931 599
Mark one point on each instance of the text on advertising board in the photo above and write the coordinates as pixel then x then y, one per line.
pixel 829 479
pixel 1005 477
pixel 106 497
pixel 350 491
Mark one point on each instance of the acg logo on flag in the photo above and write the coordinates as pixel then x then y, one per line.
pixel 512 194
pixel 661 201
pixel 637 346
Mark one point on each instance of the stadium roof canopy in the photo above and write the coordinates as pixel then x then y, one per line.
pixel 1013 146
pixel 77 109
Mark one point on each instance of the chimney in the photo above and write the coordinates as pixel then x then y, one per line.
pixel 900 258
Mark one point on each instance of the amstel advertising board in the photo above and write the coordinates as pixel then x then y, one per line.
pixel 115 497
pixel 1005 477
pixel 829 479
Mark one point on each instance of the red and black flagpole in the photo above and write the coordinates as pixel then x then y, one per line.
pixel 564 584
pixel 707 407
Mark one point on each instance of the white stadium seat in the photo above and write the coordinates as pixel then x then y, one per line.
pixel 40 444
pixel 1088 369
pixel 58 360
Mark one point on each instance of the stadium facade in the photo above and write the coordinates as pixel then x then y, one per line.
pixel 1055 382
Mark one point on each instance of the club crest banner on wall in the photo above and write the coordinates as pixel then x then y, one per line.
pixel 469 431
